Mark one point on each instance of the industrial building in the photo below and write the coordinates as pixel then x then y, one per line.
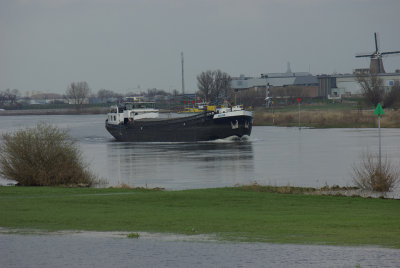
pixel 338 85
pixel 303 84
pixel 279 84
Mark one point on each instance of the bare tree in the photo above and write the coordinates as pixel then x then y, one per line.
pixel 78 92
pixel 373 175
pixel 214 85
pixel 105 94
pixel 372 88
pixel 152 92
pixel 205 82
pixel 221 89
pixel 9 96
pixel 175 93
pixel 14 95
pixel 2 97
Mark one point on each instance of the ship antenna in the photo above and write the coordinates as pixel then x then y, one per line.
pixel 183 78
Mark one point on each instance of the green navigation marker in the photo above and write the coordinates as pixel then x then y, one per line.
pixel 379 110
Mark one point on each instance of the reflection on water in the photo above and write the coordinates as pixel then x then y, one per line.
pixel 182 165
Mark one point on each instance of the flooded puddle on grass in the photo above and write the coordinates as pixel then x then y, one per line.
pixel 114 249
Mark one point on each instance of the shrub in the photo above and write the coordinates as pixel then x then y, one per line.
pixel 369 175
pixel 43 156
pixel 133 235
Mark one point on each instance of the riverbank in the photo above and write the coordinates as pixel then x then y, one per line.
pixel 234 214
pixel 325 118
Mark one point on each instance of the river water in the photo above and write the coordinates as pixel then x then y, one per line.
pixel 272 155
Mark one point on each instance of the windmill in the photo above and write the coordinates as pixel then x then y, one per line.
pixel 376 65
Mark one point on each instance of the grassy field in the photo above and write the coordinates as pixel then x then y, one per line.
pixel 236 214
pixel 321 106
pixel 344 115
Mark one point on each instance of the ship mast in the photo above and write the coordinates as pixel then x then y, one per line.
pixel 183 79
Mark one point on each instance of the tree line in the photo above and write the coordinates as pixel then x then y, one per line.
pixel 78 92
pixel 9 96
pixel 214 86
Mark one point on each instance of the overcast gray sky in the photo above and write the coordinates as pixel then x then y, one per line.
pixel 121 45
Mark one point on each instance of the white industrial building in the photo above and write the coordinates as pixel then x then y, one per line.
pixel 337 85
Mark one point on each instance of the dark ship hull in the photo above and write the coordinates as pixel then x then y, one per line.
pixel 199 127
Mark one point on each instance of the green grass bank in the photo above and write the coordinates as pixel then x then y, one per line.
pixel 235 214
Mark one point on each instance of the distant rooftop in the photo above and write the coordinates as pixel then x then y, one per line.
pixel 275 79
pixel 276 75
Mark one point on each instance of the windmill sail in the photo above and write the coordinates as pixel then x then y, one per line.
pixel 376 64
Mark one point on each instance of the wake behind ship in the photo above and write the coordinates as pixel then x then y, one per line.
pixel 136 121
